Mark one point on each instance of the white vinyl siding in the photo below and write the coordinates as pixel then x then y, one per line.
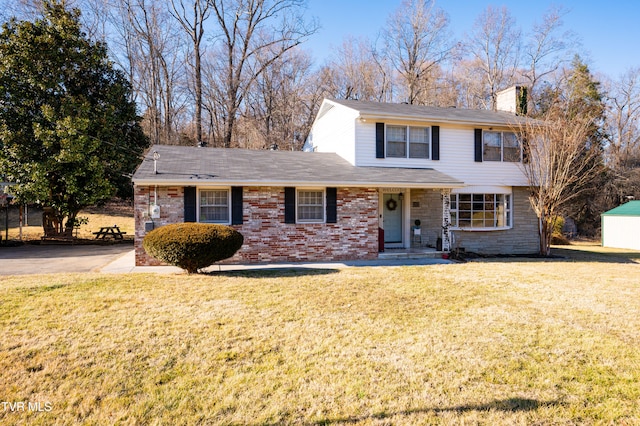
pixel 335 132
pixel 456 158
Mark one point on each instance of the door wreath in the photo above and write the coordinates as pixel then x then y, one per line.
pixel 392 204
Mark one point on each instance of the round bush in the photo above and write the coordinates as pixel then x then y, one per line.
pixel 192 246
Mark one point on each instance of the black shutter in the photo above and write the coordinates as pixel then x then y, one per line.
pixel 478 144
pixel 189 203
pixel 379 140
pixel 332 205
pixel 435 142
pixel 289 205
pixel 236 205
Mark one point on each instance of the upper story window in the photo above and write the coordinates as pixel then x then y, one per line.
pixel 310 205
pixel 214 206
pixel 501 146
pixel 407 141
pixel 481 211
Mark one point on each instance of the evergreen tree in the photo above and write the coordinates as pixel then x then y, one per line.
pixel 69 131
pixel 584 98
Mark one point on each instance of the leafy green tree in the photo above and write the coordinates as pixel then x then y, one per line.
pixel 69 130
pixel 584 98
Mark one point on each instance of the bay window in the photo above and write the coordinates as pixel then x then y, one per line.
pixel 475 211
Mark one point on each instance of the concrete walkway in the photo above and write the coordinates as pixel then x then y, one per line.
pixel 119 259
pixel 126 264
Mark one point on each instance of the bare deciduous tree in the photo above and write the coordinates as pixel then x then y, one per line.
pixel 557 163
pixel 359 72
pixel 417 41
pixel 495 43
pixel 154 60
pixel 624 121
pixel 192 21
pixel 546 51
pixel 247 29
pixel 276 104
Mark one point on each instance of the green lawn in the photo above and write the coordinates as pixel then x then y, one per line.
pixel 497 342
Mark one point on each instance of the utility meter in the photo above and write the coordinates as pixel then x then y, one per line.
pixel 155 212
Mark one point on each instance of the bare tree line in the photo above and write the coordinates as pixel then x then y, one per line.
pixel 234 73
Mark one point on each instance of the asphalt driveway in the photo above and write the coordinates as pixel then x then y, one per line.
pixel 46 259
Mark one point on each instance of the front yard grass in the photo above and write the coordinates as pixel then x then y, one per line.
pixel 109 215
pixel 499 342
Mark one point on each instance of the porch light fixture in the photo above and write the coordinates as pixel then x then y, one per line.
pixel 156 157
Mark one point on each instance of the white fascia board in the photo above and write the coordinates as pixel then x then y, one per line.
pixel 190 182
pixel 431 120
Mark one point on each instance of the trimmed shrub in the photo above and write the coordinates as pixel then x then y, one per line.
pixel 557 237
pixel 192 246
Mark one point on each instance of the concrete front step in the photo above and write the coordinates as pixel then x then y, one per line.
pixel 411 254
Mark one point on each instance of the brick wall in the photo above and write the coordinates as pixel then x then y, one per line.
pixel 171 202
pixel 355 236
pixel 267 238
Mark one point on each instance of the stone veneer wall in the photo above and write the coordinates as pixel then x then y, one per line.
pixel 521 239
pixel 429 211
pixel 267 238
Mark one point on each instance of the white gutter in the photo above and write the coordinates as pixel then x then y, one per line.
pixel 432 119
pixel 207 182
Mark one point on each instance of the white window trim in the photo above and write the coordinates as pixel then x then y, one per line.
pixel 324 205
pixel 408 141
pixel 228 189
pixel 507 208
pixel 502 160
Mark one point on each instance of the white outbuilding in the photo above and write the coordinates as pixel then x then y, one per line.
pixel 621 226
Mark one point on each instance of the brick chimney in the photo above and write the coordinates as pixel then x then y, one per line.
pixel 513 100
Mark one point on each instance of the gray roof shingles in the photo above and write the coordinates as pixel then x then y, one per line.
pixel 219 166
pixel 432 114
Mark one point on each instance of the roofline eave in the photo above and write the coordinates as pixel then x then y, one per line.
pixel 475 123
pixel 254 183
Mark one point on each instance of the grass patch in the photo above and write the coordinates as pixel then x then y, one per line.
pixel 109 215
pixel 478 343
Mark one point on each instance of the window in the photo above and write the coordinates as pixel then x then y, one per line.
pixel 310 206
pixel 418 142
pixel 500 146
pixel 214 206
pixel 396 141
pixel 481 210
pixel 403 140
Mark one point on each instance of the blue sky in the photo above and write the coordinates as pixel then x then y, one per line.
pixel 609 31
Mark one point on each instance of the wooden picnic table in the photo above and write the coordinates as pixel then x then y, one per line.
pixel 109 231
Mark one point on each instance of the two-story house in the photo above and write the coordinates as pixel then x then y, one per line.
pixel 373 176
